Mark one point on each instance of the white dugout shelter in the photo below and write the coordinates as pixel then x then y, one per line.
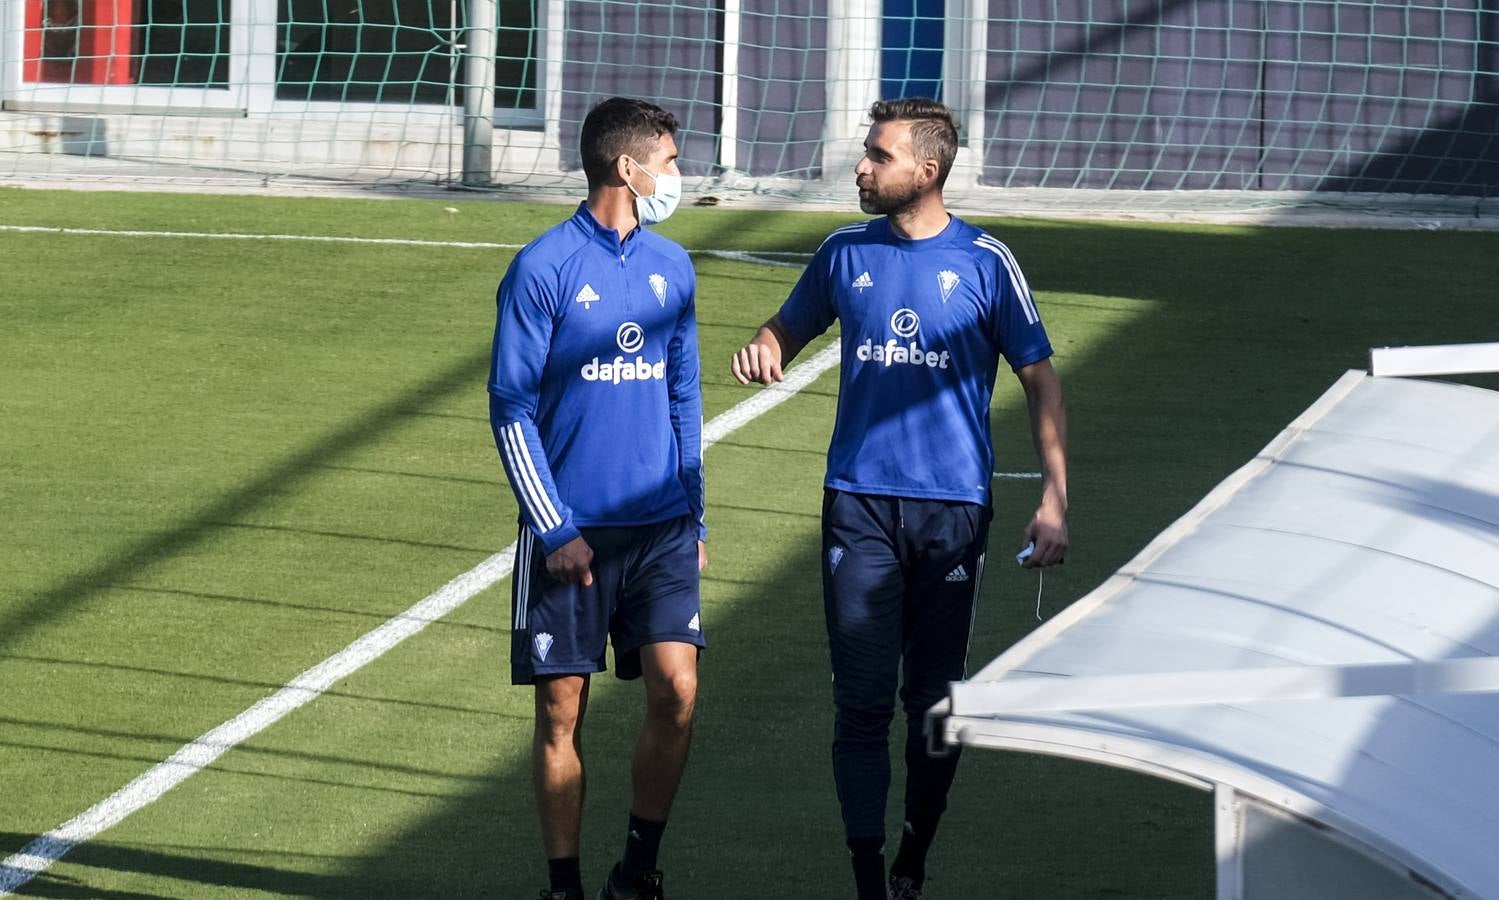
pixel 1315 642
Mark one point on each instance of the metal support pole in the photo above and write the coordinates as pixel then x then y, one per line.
pixel 1228 842
pixel 728 132
pixel 853 80
pixel 964 79
pixel 478 93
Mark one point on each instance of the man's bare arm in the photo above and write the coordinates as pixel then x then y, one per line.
pixel 765 357
pixel 1048 528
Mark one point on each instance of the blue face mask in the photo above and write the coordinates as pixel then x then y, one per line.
pixel 660 203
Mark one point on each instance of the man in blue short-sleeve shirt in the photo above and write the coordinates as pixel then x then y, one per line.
pixel 597 413
pixel 928 306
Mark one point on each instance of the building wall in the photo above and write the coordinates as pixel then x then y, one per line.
pixel 1244 95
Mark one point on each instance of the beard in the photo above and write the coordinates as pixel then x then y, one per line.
pixel 889 201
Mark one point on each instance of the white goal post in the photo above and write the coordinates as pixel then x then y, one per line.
pixel 1072 107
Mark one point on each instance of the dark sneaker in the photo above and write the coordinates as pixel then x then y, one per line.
pixel 902 888
pixel 552 895
pixel 646 887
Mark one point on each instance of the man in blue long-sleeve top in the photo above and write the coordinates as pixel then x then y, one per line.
pixel 597 413
pixel 928 305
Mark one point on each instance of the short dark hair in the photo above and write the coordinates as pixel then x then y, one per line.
pixel 621 126
pixel 933 133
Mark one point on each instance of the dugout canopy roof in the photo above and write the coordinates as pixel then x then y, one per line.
pixel 1313 641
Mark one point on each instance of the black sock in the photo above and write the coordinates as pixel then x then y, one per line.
pixel 566 875
pixel 868 858
pixel 928 781
pixel 916 840
pixel 642 843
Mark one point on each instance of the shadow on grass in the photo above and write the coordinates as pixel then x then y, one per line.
pixel 160 740
pixel 757 813
pixel 65 597
pixel 319 611
pixel 1243 329
pixel 268 686
pixel 196 876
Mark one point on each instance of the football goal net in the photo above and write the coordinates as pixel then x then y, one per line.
pixel 1081 105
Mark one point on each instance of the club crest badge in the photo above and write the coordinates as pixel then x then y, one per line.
pixel 658 287
pixel 835 556
pixel 543 643
pixel 947 280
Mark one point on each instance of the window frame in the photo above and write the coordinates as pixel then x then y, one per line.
pixel 250 88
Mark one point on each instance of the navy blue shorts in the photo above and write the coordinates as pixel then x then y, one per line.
pixel 645 591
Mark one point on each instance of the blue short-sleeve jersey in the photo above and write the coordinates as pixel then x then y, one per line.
pixel 594 388
pixel 924 323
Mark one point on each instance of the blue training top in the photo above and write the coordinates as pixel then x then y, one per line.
pixel 924 324
pixel 593 382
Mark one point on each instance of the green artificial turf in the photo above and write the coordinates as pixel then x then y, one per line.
pixel 224 460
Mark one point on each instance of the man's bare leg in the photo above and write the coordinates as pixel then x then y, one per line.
pixel 660 758
pixel 557 773
pixel 670 671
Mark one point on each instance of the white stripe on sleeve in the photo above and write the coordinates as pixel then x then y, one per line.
pixel 702 478
pixel 538 504
pixel 847 229
pixel 1017 278
pixel 546 500
pixel 1025 286
pixel 525 488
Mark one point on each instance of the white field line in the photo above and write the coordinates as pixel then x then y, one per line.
pixel 763 402
pixel 733 255
pixel 1017 474
pixel 186 762
pixel 235 236
pixel 41 853
pixel 757 259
